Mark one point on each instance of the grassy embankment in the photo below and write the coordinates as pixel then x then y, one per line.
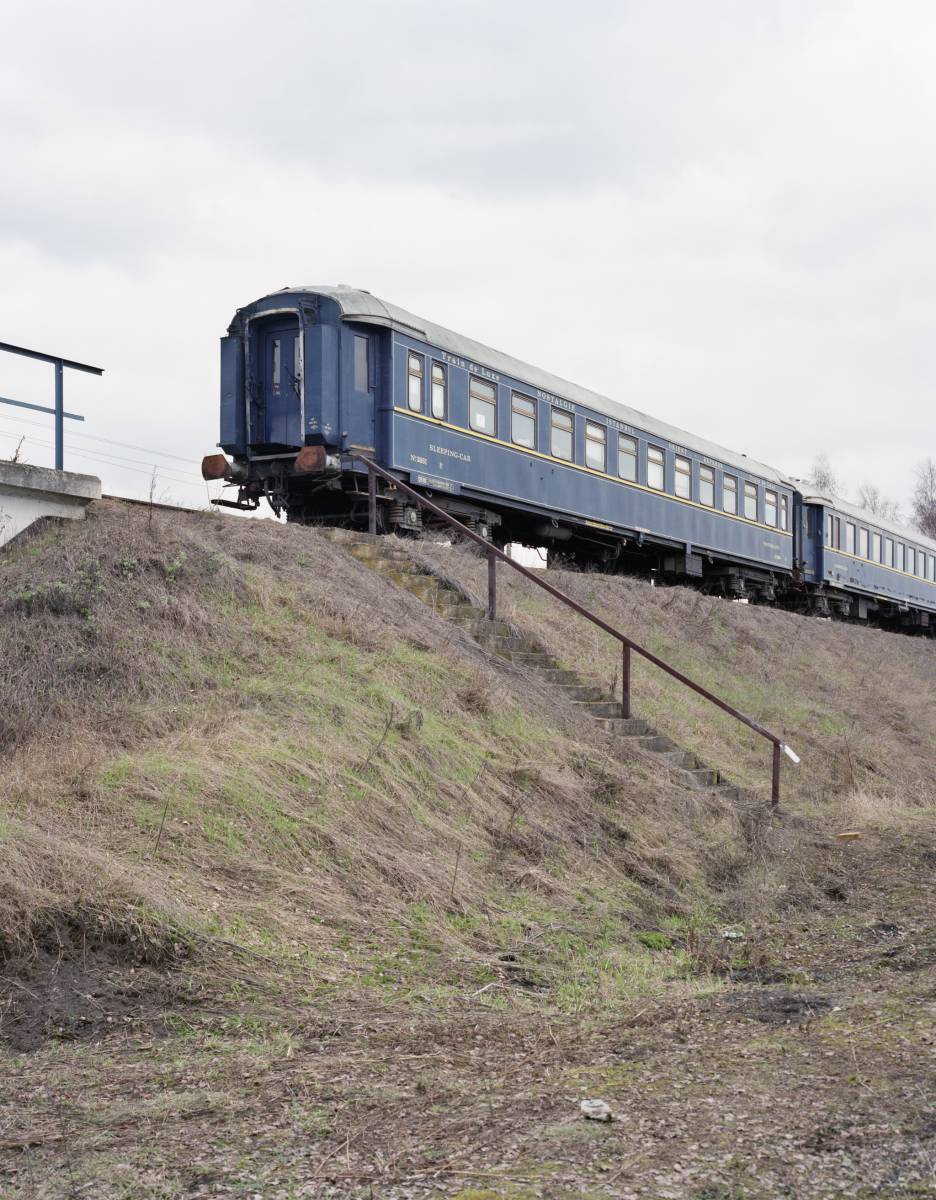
pixel 223 734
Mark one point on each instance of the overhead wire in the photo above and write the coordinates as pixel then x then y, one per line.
pixel 142 468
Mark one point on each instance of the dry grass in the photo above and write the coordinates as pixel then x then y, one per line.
pixel 236 728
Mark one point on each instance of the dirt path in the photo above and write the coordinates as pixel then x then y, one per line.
pixel 813 1075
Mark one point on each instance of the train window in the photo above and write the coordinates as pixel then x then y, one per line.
pixel 921 564
pixel 627 458
pixel 361 382
pixel 683 477
pixel 750 501
pixel 931 568
pixel 437 394
pixel 655 468
pixel 837 535
pixel 770 508
pixel 482 406
pixel 875 547
pixel 596 446
pixel 828 529
pixel 414 393
pixel 862 543
pixel 707 486
pixel 523 421
pixel 911 560
pixel 888 552
pixel 899 563
pixel 849 538
pixel 730 494
pixel 785 512
pixel 562 434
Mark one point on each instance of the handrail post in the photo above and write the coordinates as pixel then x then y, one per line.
pixel 492 586
pixel 775 781
pixel 371 501
pixel 626 681
pixel 59 416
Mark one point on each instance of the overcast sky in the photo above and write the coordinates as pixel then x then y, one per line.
pixel 718 212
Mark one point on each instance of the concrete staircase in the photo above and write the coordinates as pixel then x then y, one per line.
pixel 389 557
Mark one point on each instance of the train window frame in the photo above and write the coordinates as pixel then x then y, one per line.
pixel 730 488
pixel 706 485
pixel 921 564
pixel 829 524
pixel 750 493
pixel 863 542
pixel 361 362
pixel 888 552
pixel 851 537
pixel 838 533
pixel 660 463
pixel 624 439
pixel 771 501
pixel 596 434
pixel 930 568
pixel 438 387
pixel 419 377
pixel 784 512
pixel 910 560
pixel 563 430
pixel 530 416
pixel 876 542
pixel 682 476
pixel 485 401
pixel 900 556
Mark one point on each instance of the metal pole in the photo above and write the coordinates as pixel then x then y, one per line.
pixel 371 502
pixel 492 587
pixel 59 415
pixel 625 681
pixel 775 782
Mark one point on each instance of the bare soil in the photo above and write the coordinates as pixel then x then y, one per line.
pixel 807 1073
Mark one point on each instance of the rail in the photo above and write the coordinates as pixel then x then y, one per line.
pixel 59 365
pixel 628 645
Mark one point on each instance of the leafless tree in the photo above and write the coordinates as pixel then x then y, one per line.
pixel 924 498
pixel 822 477
pixel 871 498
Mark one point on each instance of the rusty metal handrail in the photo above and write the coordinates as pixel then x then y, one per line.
pixel 627 644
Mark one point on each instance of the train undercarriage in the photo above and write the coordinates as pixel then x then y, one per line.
pixel 322 491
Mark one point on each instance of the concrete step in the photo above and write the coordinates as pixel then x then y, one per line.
pixel 559 677
pixel 582 692
pixel 679 758
pixel 629 728
pixel 701 777
pixel 657 744
pixel 600 708
pixel 525 658
pixel 370 553
pixel 466 612
pixel 519 645
pixel 392 566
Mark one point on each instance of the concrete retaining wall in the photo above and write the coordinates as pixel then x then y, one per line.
pixel 29 493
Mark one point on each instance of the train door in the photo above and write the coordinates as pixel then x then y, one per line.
pixel 276 411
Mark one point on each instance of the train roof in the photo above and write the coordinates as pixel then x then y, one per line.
pixel 869 518
pixel 358 305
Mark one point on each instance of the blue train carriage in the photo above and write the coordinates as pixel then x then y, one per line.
pixel 858 566
pixel 312 375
